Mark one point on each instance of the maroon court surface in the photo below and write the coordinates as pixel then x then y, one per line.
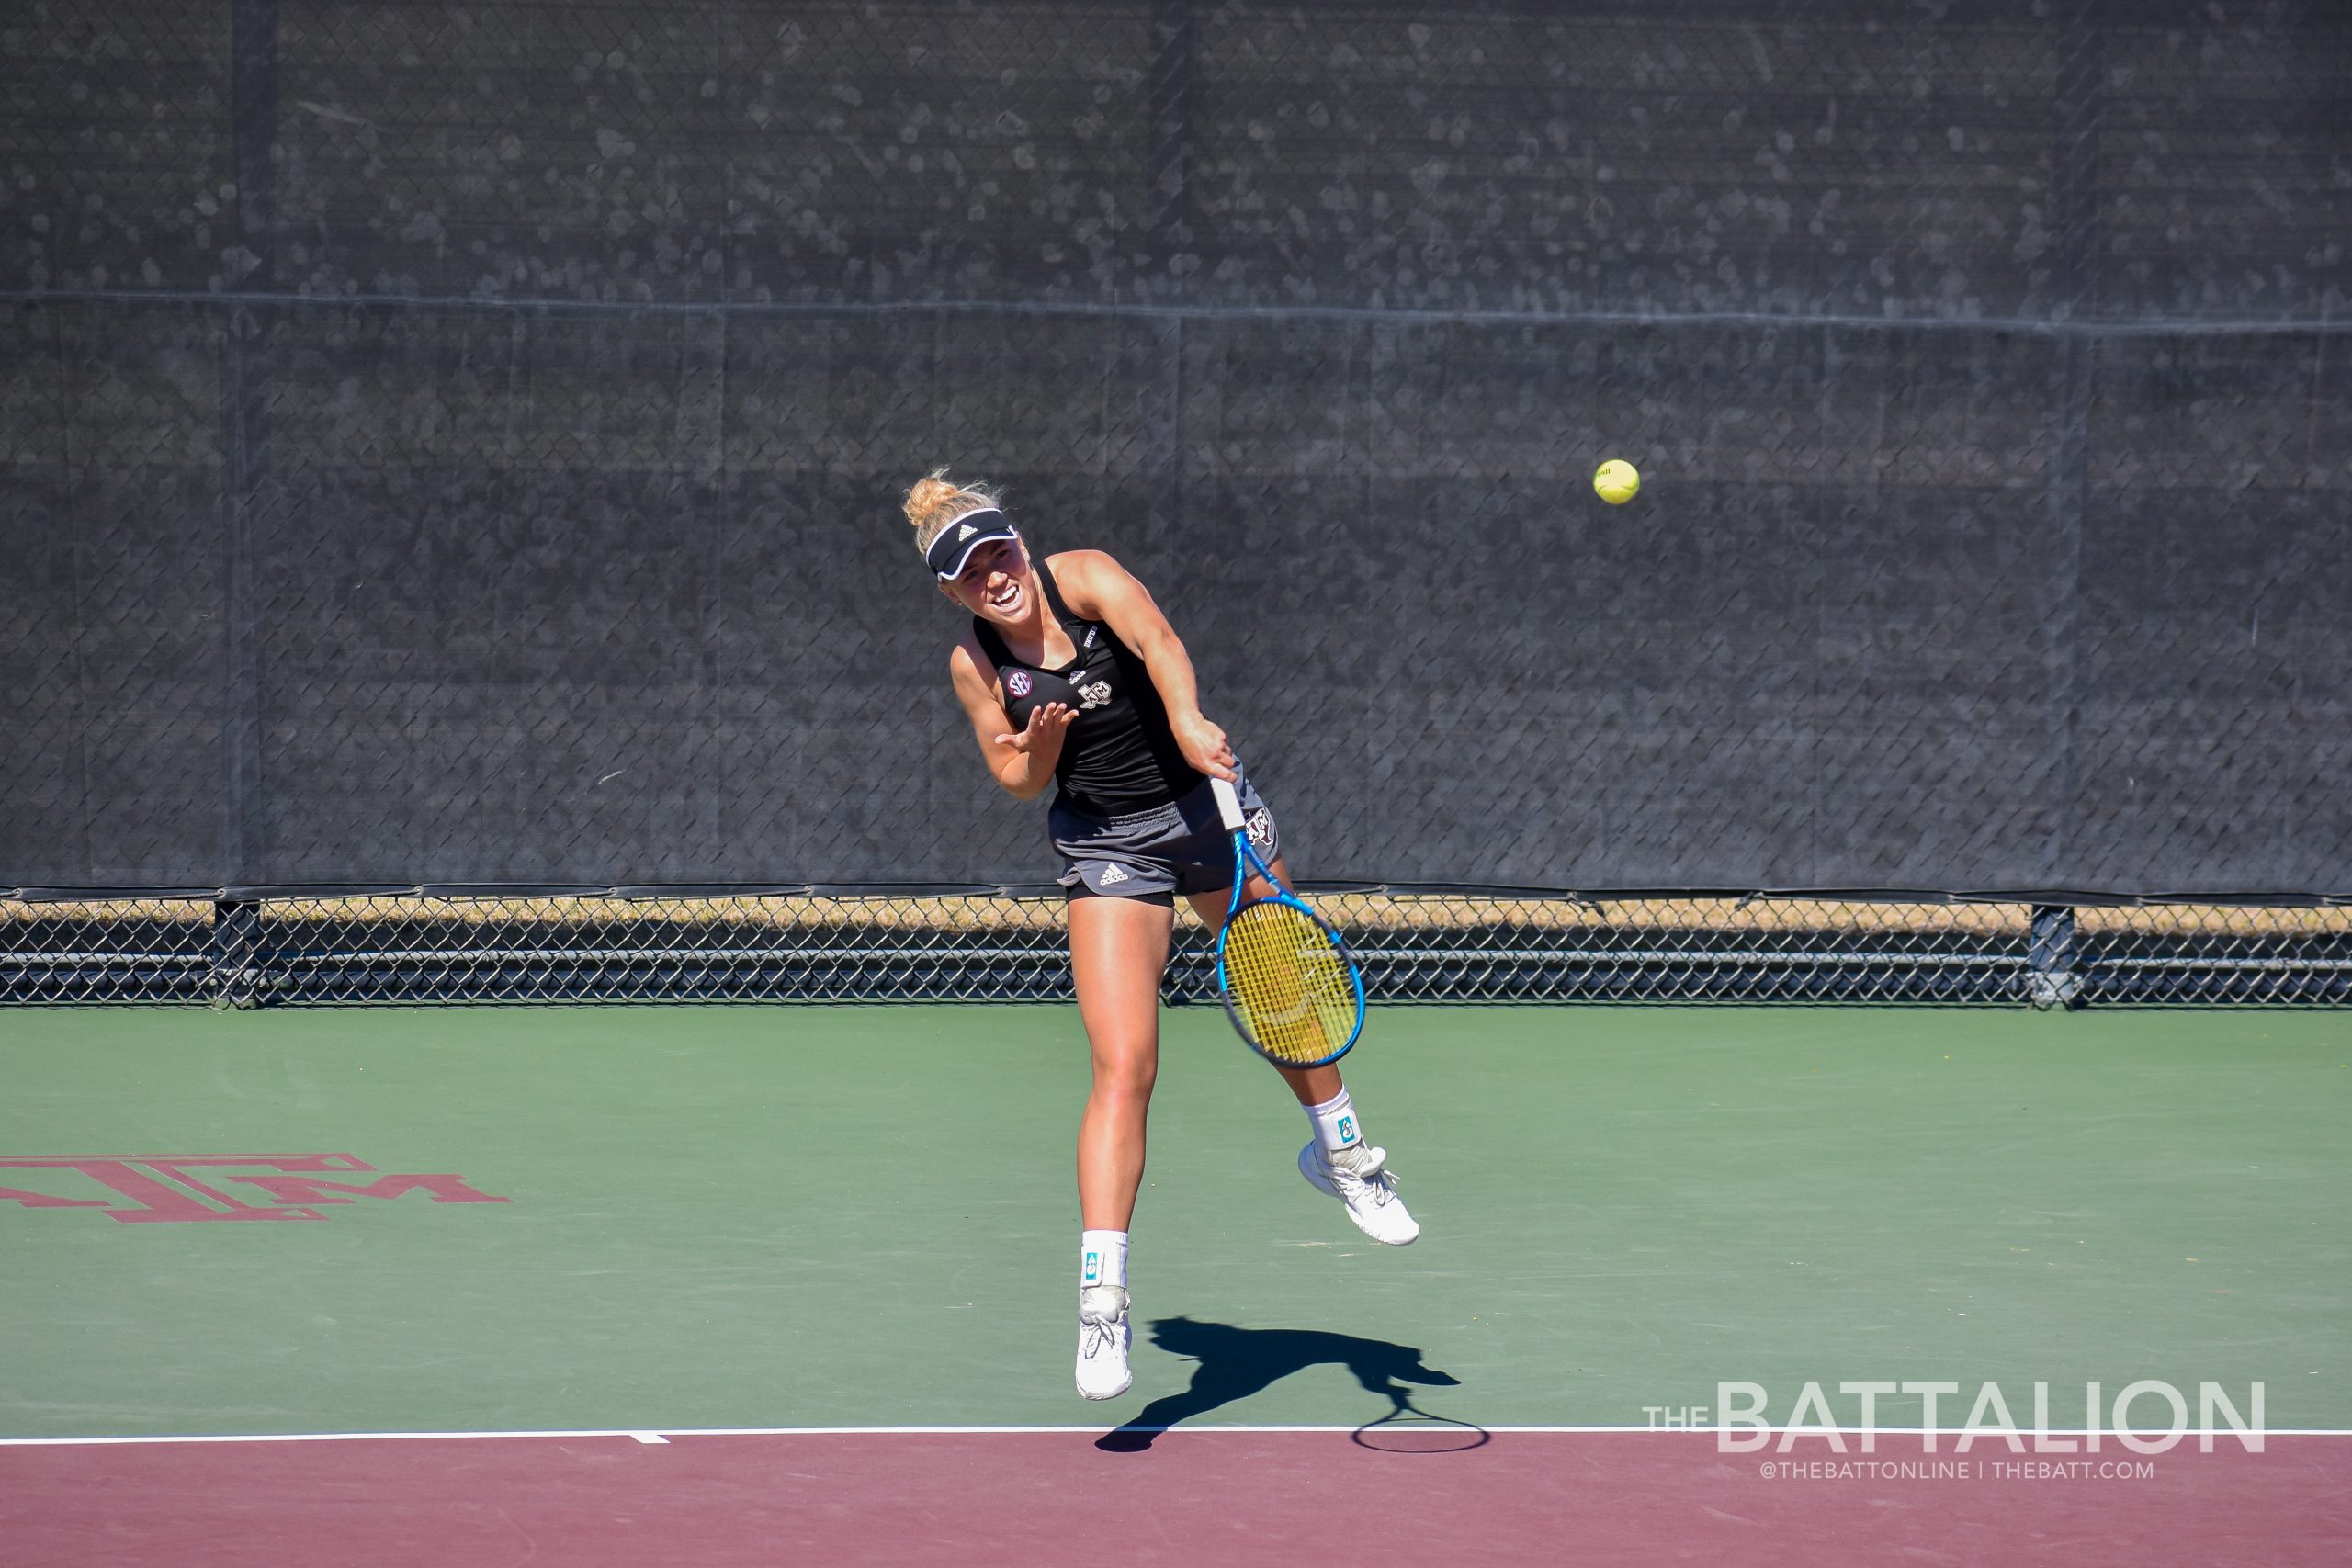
pixel 1051 1498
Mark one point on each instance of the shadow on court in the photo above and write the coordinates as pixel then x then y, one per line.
pixel 1234 1363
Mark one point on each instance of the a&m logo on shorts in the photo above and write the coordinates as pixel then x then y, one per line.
pixel 1262 826
pixel 1017 682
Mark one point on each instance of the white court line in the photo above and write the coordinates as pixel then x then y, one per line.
pixel 664 1435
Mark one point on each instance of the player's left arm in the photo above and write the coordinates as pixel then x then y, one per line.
pixel 1100 589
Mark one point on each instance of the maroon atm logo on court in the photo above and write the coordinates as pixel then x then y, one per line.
pixel 182 1188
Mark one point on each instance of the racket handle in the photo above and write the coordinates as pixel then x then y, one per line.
pixel 1228 803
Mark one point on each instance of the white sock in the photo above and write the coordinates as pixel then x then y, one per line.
pixel 1102 1258
pixel 1335 1123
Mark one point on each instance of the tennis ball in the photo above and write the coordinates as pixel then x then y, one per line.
pixel 1615 482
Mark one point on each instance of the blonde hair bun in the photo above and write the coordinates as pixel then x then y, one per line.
pixel 936 501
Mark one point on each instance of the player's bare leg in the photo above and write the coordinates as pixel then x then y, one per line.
pixel 1118 948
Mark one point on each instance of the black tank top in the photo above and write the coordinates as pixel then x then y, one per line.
pixel 1119 756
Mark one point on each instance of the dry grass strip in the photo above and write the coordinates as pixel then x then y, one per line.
pixel 1352 911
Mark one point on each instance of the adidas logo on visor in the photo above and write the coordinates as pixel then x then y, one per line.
pixel 967 532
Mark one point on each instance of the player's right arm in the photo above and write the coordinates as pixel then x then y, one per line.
pixel 1022 763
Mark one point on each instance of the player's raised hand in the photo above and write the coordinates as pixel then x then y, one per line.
pixel 1049 722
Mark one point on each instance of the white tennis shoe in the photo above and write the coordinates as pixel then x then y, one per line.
pixel 1360 1178
pixel 1103 1340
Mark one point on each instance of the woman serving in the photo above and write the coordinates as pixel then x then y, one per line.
pixel 1072 676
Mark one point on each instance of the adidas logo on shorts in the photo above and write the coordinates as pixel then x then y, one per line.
pixel 1112 874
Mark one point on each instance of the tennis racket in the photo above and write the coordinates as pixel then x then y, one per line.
pixel 1285 977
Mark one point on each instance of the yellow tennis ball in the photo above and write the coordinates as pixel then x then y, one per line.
pixel 1615 482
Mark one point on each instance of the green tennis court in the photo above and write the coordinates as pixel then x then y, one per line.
pixel 678 1220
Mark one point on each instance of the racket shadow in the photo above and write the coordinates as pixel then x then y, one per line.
pixel 1409 1429
pixel 1233 1363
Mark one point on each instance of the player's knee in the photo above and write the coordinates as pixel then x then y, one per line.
pixel 1125 1076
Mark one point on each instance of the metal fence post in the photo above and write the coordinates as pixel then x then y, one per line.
pixel 254 88
pixel 2050 978
pixel 237 953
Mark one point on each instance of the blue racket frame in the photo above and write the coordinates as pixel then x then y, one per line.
pixel 1229 805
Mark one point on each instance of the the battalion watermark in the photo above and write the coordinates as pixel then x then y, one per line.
pixel 2062 1437
pixel 1961 1470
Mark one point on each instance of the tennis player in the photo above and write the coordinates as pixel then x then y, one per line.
pixel 1073 677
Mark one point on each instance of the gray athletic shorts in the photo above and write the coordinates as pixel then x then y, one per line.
pixel 1180 847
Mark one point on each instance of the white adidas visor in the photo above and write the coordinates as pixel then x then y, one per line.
pixel 953 548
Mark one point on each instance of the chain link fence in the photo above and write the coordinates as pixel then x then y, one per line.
pixel 452 445
pixel 240 949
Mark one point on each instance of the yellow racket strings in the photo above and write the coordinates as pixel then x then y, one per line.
pixel 1288 983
